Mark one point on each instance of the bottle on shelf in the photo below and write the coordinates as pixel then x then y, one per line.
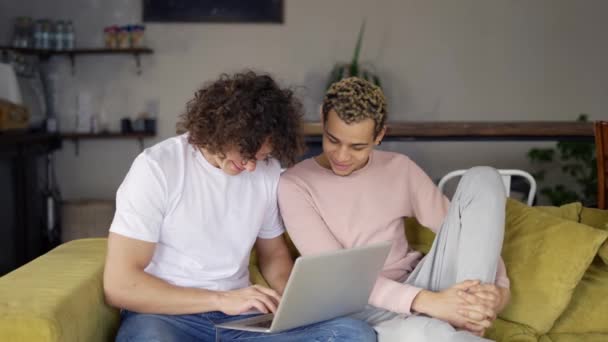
pixel 69 36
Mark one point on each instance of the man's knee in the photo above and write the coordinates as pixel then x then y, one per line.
pixel 484 177
pixel 485 182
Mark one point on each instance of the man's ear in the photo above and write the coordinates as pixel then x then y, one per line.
pixel 380 135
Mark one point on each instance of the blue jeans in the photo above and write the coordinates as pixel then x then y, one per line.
pixel 201 327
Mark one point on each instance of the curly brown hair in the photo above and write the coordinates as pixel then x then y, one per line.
pixel 243 110
pixel 354 100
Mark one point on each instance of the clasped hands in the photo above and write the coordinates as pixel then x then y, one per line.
pixel 468 305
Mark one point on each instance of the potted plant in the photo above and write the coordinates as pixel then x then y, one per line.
pixel 354 68
pixel 576 160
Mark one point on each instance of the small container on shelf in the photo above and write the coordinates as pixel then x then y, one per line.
pixel 110 37
pixel 69 35
pixel 124 39
pixel 137 36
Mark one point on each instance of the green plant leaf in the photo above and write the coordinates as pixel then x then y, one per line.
pixel 541 155
pixel 576 159
pixel 354 64
pixel 539 175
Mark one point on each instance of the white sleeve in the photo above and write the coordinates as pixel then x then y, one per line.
pixel 141 201
pixel 272 225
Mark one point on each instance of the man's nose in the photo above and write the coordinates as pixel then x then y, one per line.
pixel 342 154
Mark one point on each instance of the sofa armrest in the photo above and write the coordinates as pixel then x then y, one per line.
pixel 58 297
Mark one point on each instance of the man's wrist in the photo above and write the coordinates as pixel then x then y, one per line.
pixel 422 302
pixel 214 298
pixel 505 296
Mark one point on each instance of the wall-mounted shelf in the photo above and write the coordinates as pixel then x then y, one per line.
pixel 477 131
pixel 76 137
pixel 46 54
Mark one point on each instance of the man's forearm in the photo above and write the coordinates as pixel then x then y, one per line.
pixel 144 293
pixel 276 272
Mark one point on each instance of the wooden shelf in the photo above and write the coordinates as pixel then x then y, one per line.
pixel 83 51
pixel 76 137
pixel 11 141
pixel 110 135
pixel 46 54
pixel 476 131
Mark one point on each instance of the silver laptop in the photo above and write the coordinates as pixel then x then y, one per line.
pixel 322 287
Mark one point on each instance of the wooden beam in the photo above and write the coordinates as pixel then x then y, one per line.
pixel 516 130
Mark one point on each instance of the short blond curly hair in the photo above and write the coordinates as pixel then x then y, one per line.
pixel 354 100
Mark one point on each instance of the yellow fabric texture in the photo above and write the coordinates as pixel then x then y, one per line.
pixel 58 297
pixel 588 337
pixel 418 236
pixel 599 219
pixel 255 275
pixel 546 257
pixel 506 331
pixel 570 211
pixel 421 238
pixel 587 312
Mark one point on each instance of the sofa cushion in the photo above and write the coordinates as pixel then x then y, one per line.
pixel 588 309
pixel 570 211
pixel 504 331
pixel 599 219
pixel 418 236
pixel 588 337
pixel 546 257
pixel 58 297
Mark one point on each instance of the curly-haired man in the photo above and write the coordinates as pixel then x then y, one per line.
pixel 191 208
pixel 351 195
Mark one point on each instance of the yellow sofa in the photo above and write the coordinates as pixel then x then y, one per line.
pixel 59 296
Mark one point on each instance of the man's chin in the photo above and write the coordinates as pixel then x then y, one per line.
pixel 342 173
pixel 232 172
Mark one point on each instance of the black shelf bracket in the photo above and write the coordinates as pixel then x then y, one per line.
pixel 137 63
pixel 72 64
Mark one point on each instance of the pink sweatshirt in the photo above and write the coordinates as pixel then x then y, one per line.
pixel 324 212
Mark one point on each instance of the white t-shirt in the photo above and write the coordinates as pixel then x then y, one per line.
pixel 204 222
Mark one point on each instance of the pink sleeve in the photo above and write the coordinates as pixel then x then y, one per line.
pixel 311 235
pixel 430 206
pixel 393 296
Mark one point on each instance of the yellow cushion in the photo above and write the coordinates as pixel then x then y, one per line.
pixel 418 236
pixel 546 257
pixel 58 297
pixel 599 219
pixel 504 331
pixel 588 309
pixel 570 211
pixel 588 337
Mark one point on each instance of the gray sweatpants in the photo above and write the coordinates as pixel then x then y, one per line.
pixel 467 247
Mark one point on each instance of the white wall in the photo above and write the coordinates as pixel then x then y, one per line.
pixel 491 60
